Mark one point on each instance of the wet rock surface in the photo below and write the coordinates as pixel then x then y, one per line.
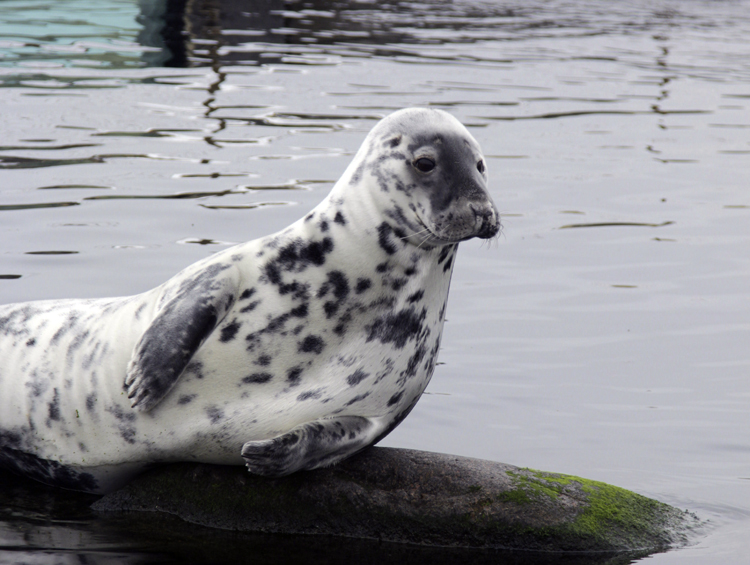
pixel 414 497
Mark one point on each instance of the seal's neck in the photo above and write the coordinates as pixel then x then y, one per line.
pixel 369 242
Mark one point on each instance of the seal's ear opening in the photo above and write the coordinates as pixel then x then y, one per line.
pixel 395 141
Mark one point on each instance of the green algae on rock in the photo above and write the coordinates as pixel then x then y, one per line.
pixel 417 497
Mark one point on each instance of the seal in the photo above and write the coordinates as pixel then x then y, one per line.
pixel 289 352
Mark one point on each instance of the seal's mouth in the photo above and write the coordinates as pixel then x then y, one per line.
pixel 484 225
pixel 461 223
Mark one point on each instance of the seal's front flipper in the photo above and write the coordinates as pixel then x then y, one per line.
pixel 310 446
pixel 188 317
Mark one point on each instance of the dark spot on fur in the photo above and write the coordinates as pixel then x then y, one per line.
pixel 247 293
pixel 395 398
pixel 398 327
pixel 140 310
pixel 414 360
pixel 311 344
pixel 273 273
pixel 358 398
pixel 339 219
pixel 340 284
pixel 65 328
pixel 31 342
pixel 257 378
pixel 323 225
pixel 215 414
pixel 120 414
pixel 295 257
pixel 250 307
pixel 300 311
pixel 194 368
pixel 293 375
pixel 90 402
pixel 275 324
pixel 298 254
pixel 298 290
pixel 311 394
pixel 229 331
pixel 384 233
pixel 125 422
pixel 356 377
pixel 381 267
pixel 444 252
pixel 264 360
pixel 357 176
pixel 398 284
pixel 410 271
pixel 38 387
pixel 330 309
pixel 448 264
pixel 186 399
pixel 253 340
pixel 416 297
pixel 340 328
pixel 54 406
pixel 362 285
pixel 315 251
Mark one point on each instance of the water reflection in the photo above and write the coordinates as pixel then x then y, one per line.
pixel 121 34
pixel 230 32
pixel 213 32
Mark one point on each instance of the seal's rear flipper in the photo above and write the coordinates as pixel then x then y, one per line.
pixel 176 333
pixel 312 445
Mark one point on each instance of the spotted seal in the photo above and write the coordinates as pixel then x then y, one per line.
pixel 289 352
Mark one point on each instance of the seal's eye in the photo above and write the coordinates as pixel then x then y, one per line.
pixel 424 164
pixel 480 166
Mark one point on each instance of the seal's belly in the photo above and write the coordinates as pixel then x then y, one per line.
pixel 231 393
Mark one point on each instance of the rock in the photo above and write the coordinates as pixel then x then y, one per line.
pixel 414 497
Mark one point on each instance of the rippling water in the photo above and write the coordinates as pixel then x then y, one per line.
pixel 605 334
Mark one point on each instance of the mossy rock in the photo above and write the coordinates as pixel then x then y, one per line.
pixel 415 497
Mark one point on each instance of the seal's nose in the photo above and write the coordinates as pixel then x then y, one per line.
pixel 486 219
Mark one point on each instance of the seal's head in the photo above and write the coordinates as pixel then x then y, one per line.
pixel 430 178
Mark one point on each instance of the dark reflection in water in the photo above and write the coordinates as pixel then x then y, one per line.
pixel 47 525
pixel 201 32
pixel 193 33
pixel 209 32
pixel 227 32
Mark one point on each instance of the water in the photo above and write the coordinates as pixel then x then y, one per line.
pixel 604 335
